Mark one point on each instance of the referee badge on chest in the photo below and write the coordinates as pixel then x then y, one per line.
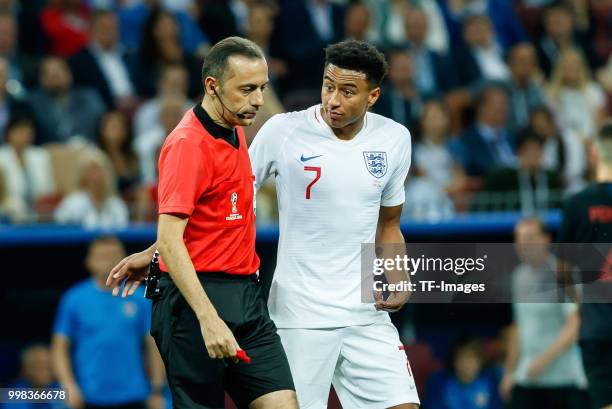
pixel 234 199
pixel 234 214
pixel 376 163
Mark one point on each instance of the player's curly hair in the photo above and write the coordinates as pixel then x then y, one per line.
pixel 358 56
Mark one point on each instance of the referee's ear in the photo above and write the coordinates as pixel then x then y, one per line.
pixel 209 86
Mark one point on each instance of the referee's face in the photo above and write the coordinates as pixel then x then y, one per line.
pixel 242 92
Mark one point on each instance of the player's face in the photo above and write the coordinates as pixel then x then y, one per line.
pixel 346 96
pixel 243 89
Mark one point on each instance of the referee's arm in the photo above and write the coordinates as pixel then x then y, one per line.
pixel 218 338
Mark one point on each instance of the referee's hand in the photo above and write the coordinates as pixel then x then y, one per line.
pixel 133 270
pixel 219 340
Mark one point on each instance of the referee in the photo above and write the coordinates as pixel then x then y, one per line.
pixel 211 304
pixel 587 218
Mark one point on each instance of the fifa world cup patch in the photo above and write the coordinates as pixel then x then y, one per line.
pixel 376 163
pixel 234 215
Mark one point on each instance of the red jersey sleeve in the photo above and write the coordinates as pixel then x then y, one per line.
pixel 183 175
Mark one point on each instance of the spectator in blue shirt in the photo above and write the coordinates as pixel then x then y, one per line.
pixel 467 387
pixel 101 345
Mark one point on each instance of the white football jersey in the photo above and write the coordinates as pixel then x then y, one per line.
pixel 329 196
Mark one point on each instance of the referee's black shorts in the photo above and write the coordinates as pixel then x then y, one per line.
pixel 196 380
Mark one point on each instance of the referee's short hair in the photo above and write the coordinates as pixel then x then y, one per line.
pixel 216 61
pixel 604 141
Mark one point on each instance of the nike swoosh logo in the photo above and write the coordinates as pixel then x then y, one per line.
pixel 306 159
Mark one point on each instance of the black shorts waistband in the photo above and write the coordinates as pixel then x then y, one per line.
pixel 216 276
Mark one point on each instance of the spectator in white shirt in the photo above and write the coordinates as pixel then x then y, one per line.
pixel 95 204
pixel 27 168
pixel 173 83
pixel 171 112
pixel 12 209
pixel 578 102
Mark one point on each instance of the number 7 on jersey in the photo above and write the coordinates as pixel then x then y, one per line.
pixel 317 170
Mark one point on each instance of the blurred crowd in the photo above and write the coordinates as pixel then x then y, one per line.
pixel 501 97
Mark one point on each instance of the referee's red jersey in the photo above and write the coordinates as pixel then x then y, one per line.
pixel 205 174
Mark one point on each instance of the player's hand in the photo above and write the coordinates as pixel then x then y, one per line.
pixel 132 270
pixel 75 398
pixel 537 367
pixel 505 387
pixel 393 303
pixel 219 340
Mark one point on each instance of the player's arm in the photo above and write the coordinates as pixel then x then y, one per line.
pixel 391 242
pixel 219 340
pixel 388 228
pixel 567 337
